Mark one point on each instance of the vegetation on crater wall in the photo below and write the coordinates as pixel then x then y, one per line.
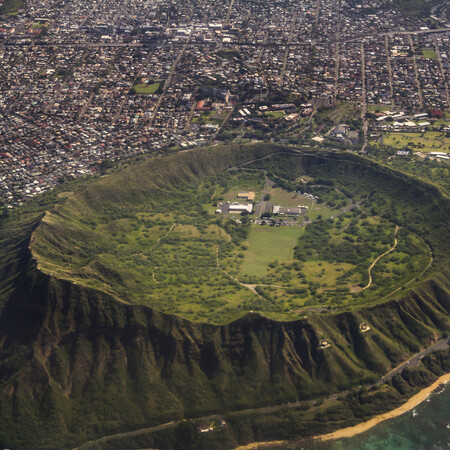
pixel 169 251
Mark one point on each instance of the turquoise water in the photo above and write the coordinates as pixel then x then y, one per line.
pixel 426 431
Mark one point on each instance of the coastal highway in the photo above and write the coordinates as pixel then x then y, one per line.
pixel 411 362
pixel 414 361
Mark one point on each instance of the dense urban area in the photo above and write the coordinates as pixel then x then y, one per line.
pixel 88 82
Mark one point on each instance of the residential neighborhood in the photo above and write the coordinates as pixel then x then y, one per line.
pixel 87 82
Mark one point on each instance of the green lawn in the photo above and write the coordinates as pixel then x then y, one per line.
pixel 275 114
pixel 214 117
pixel 429 53
pixel 145 89
pixel 267 244
pixel 441 123
pixel 343 112
pixel 289 199
pixel 430 141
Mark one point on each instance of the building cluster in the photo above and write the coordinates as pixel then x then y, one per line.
pixel 89 81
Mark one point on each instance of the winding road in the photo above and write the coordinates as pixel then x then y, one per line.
pixel 379 257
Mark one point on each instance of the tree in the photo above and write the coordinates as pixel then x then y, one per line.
pixel 186 436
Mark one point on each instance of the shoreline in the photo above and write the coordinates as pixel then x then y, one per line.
pixel 363 426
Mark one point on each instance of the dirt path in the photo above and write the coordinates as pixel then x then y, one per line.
pixel 379 257
pixel 415 278
pixel 251 287
pixel 167 234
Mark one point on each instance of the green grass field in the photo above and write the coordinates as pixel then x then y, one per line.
pixel 285 198
pixel 429 53
pixel 214 117
pixel 275 114
pixel 330 262
pixel 145 89
pixel 268 244
pixel 430 141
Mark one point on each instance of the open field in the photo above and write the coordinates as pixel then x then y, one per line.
pixel 430 141
pixel 343 112
pixel 429 53
pixel 214 117
pixel 332 259
pixel 267 245
pixel 145 89
pixel 280 196
pixel 275 114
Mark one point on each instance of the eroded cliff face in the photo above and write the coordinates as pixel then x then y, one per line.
pixel 76 363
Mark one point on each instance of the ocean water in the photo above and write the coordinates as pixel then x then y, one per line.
pixel 427 430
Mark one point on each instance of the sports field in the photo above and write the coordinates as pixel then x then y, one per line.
pixel 267 244
pixel 144 88
pixel 429 53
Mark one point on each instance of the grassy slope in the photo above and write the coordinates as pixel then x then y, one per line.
pixel 431 171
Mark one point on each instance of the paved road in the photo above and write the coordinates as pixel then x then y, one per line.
pixel 412 362
pixel 416 72
pixel 10 42
pixel 442 70
pixel 363 97
pixel 389 68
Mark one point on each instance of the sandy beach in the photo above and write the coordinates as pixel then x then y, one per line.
pixel 364 426
pixel 410 404
pixel 259 445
